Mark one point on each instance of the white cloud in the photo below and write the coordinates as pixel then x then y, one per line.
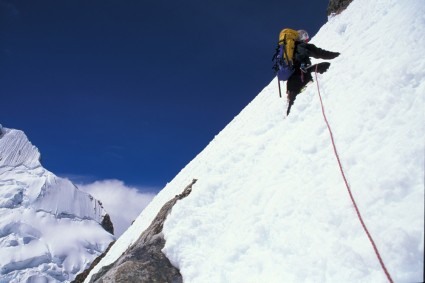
pixel 122 203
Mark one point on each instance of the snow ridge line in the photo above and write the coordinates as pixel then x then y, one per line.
pixel 348 186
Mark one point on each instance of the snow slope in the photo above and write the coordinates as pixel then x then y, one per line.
pixel 270 204
pixel 49 230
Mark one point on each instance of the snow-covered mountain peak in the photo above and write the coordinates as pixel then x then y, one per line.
pixel 17 150
pixel 49 229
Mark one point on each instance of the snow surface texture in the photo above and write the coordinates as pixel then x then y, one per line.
pixel 49 230
pixel 271 204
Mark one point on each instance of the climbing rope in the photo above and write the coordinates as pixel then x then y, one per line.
pixel 348 187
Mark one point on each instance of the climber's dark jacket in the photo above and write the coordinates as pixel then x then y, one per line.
pixel 299 79
pixel 303 52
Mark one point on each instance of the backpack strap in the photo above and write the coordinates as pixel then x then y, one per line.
pixel 289 62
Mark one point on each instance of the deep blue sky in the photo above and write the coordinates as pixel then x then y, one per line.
pixel 134 90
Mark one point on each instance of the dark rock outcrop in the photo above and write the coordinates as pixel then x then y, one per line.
pixel 144 261
pixel 107 224
pixel 337 6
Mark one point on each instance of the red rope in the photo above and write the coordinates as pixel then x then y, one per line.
pixel 349 190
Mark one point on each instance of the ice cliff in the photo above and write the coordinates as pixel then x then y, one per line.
pixel 49 229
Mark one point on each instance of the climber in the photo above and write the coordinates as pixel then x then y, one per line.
pixel 302 66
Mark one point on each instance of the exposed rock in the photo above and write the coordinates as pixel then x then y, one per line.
pixel 107 224
pixel 144 260
pixel 337 6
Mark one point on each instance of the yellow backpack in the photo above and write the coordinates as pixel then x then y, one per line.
pixel 287 38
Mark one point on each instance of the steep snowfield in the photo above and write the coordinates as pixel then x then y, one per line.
pixel 270 204
pixel 49 230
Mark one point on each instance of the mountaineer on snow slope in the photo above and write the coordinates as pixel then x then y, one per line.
pixel 292 61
